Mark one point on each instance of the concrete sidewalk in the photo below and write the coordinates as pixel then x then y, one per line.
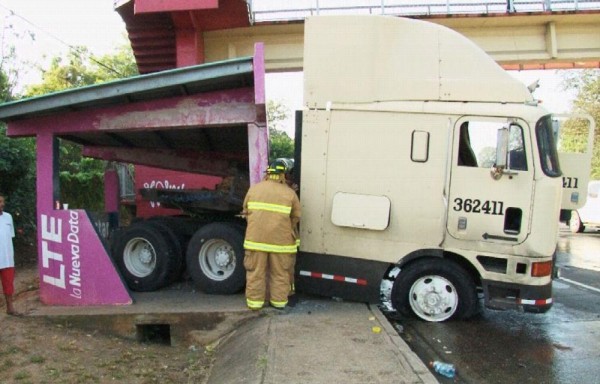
pixel 318 341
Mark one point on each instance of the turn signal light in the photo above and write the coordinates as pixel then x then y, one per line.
pixel 541 269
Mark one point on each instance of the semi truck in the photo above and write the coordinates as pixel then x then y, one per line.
pixel 421 164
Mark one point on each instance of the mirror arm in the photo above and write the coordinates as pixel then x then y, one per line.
pixel 498 172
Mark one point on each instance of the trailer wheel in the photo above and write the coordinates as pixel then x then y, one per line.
pixel 176 243
pixel 146 257
pixel 435 290
pixel 215 258
pixel 575 224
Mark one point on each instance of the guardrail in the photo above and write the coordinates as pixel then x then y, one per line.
pixel 280 10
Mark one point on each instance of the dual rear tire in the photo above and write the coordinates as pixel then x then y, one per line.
pixel 150 256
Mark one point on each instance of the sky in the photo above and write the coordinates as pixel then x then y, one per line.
pixel 94 24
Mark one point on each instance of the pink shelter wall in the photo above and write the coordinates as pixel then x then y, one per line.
pixel 74 266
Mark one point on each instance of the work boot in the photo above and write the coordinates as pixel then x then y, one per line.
pixel 292 300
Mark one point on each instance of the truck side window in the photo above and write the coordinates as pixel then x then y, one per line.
pixel 516 150
pixel 478 142
pixel 466 156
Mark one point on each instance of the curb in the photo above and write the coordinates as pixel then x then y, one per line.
pixel 412 360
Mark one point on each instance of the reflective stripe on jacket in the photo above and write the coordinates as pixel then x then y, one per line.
pixel 272 210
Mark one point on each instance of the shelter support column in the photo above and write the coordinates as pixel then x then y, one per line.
pixel 73 264
pixel 47 182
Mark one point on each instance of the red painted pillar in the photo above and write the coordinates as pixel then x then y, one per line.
pixel 190 47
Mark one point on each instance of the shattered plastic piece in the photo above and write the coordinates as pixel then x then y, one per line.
pixel 444 369
pixel 376 330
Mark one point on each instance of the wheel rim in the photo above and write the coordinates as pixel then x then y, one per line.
pixel 139 257
pixel 217 259
pixel 433 298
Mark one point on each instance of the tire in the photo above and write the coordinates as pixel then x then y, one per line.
pixel 146 257
pixel 177 244
pixel 575 224
pixel 215 258
pixel 435 290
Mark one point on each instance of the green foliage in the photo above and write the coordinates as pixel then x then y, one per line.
pixel 17 182
pixel 280 144
pixel 117 65
pixel 5 88
pixel 587 84
pixel 17 156
pixel 80 69
pixel 10 65
pixel 81 179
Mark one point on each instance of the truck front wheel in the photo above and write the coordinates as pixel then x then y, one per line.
pixel 435 290
pixel 575 224
pixel 146 257
pixel 215 258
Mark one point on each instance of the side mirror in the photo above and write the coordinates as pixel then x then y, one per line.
pixel 501 153
pixel 502 148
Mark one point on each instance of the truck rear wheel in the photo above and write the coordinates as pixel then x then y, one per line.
pixel 215 258
pixel 146 257
pixel 435 290
pixel 177 243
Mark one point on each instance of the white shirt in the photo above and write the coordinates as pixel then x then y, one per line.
pixel 7 232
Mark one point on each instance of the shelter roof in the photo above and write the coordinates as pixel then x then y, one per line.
pixel 230 74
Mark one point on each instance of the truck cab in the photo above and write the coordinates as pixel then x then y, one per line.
pixel 423 162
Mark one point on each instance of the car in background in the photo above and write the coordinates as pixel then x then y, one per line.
pixel 588 215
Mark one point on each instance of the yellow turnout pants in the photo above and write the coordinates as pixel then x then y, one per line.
pixel 274 267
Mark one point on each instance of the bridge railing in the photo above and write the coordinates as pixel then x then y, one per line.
pixel 280 10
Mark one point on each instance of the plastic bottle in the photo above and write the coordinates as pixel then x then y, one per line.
pixel 445 369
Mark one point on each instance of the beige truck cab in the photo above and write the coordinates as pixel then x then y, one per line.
pixel 425 163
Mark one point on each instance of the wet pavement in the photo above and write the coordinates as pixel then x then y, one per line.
pixel 561 346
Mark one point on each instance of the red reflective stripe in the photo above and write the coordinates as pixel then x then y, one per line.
pixel 343 279
pixel 535 302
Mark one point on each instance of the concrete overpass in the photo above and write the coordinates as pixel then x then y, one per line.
pixel 544 34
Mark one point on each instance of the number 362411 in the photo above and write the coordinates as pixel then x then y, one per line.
pixel 487 207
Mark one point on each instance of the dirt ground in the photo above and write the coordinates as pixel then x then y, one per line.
pixel 36 350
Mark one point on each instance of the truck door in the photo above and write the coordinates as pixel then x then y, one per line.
pixel 575 141
pixel 482 205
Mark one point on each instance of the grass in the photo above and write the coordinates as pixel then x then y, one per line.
pixel 37 359
pixel 21 375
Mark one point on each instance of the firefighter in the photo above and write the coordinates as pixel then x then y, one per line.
pixel 272 210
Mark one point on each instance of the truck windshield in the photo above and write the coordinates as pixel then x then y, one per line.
pixel 547 147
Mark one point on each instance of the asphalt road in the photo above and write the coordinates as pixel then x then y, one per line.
pixel 560 346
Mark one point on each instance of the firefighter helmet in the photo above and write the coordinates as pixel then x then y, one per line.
pixel 280 166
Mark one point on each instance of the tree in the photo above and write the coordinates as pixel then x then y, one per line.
pixel 81 69
pixel 10 65
pixel 574 131
pixel 17 156
pixel 280 144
